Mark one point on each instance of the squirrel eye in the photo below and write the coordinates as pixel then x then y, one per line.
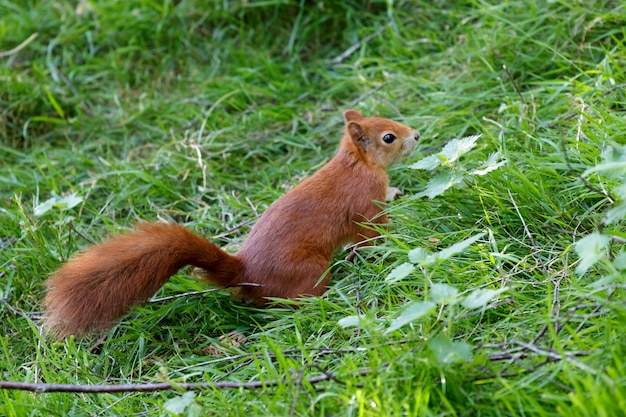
pixel 389 138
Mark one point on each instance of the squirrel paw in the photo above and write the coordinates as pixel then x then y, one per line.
pixel 393 193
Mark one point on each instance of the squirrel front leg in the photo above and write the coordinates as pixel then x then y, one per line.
pixel 367 236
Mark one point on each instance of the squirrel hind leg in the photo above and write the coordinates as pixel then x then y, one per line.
pixel 225 272
pixel 293 280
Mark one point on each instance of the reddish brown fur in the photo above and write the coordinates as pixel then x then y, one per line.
pixel 287 252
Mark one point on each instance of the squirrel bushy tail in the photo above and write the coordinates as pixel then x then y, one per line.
pixel 100 285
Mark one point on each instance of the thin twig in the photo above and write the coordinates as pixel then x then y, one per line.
pixel 595 310
pixel 291 353
pixel 6 242
pixel 69 85
pixel 518 373
pixel 573 114
pixel 210 290
pixel 297 393
pixel 556 304
pixel 366 95
pixel 508 74
pixel 13 309
pixel 232 229
pixel 530 347
pixel 585 181
pixel 557 356
pixel 530 236
pixel 163 386
pixel 20 46
pixel 236 368
pixel 73 229
pixel 353 48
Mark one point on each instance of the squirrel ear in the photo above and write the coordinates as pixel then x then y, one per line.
pixel 355 130
pixel 357 135
pixel 352 116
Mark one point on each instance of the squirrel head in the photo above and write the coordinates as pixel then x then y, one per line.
pixel 378 141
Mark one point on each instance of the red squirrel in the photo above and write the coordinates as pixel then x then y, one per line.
pixel 286 254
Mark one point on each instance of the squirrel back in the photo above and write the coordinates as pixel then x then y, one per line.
pixel 286 254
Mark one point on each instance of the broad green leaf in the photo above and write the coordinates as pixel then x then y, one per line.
pixel 452 151
pixel 458 147
pixel 603 282
pixel 44 207
pixel 620 261
pixel 608 169
pixel 613 163
pixel 457 247
pixel 418 255
pixel 620 191
pixel 616 213
pixel 614 153
pixel 178 405
pixel 349 321
pixel 400 272
pixel 590 250
pixel 429 163
pixel 443 293
pixel 56 201
pixel 480 297
pixel 447 351
pixel 438 185
pixel 492 164
pixel 412 312
pixel 69 201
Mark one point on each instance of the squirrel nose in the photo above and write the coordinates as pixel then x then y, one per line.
pixel 416 135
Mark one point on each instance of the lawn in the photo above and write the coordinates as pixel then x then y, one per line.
pixel 499 289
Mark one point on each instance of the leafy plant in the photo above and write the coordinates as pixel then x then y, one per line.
pixel 453 173
pixel 58 202
pixel 437 297
pixel 594 247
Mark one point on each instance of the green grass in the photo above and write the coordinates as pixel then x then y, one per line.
pixel 204 113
